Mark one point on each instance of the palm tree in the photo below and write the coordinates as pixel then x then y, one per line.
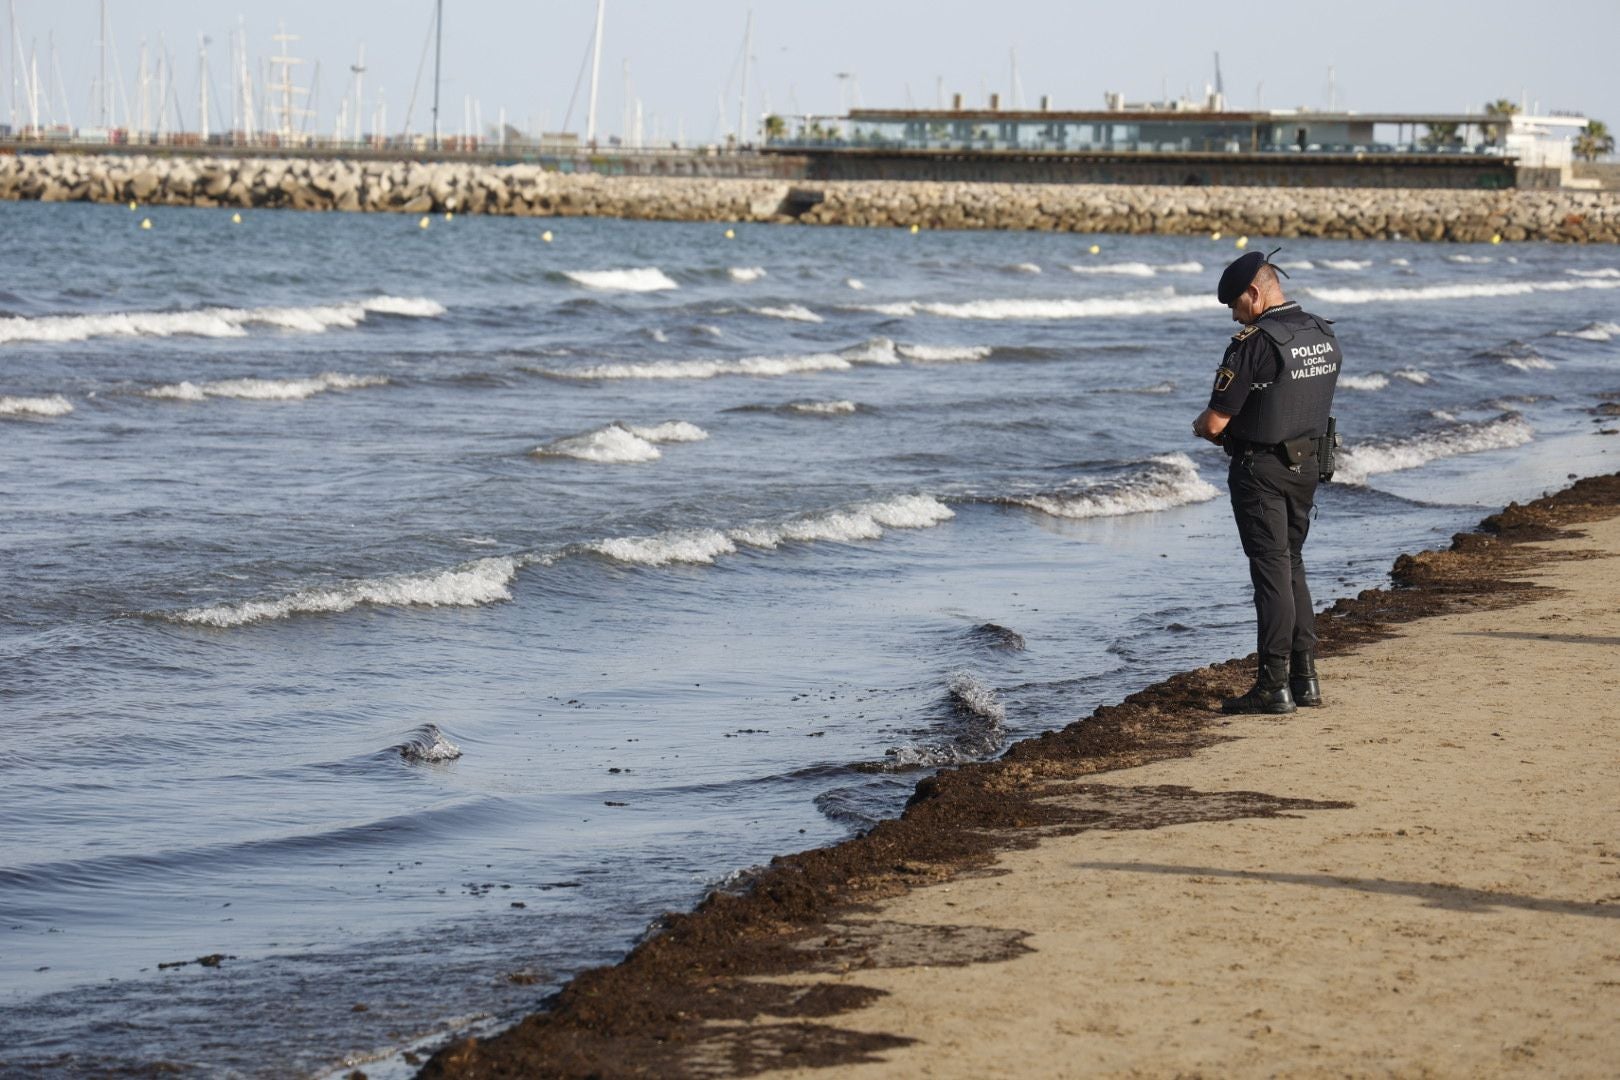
pixel 1494 133
pixel 1594 142
pixel 775 128
pixel 1441 137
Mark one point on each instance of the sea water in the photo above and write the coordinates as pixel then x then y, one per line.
pixel 403 619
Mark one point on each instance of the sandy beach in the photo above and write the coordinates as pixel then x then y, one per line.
pixel 1420 879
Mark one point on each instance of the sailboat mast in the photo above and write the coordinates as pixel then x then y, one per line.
pixel 596 74
pixel 438 52
pixel 742 98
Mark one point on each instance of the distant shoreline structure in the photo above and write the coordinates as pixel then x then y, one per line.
pixel 527 190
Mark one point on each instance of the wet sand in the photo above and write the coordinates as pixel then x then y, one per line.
pixel 1420 879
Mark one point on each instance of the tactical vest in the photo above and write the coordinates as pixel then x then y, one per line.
pixel 1297 401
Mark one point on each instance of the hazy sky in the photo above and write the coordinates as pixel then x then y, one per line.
pixel 684 55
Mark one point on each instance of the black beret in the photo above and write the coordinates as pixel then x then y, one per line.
pixel 1239 276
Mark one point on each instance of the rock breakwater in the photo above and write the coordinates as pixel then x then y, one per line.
pixel 529 191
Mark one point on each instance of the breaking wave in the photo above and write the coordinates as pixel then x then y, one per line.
pixel 1096 307
pixel 1598 331
pixel 1464 291
pixel 709 369
pixel 1529 363
pixel 264 389
pixel 1138 269
pixel 1364 382
pixel 1167 481
pixel 944 353
pixel 472 584
pixel 55 405
pixel 746 273
pixel 974 730
pixel 821 408
pixel 1024 268
pixel 640 279
pixel 1605 272
pixel 866 521
pixel 1469 260
pixel 428 746
pixel 1414 375
pixel 855 283
pixel 621 444
pixel 211 322
pixel 1357 463
pixel 1296 264
pixel 792 313
pixel 1346 264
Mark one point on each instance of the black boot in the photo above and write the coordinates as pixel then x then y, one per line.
pixel 1302 679
pixel 1270 692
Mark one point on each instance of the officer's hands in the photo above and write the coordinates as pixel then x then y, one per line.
pixel 1210 425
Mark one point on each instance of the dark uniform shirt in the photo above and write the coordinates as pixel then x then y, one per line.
pixel 1250 364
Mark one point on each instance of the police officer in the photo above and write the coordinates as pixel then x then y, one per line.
pixel 1269 409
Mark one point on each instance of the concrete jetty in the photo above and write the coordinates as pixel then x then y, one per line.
pixel 1433 214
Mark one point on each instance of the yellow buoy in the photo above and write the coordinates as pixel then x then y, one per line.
pixel 424 223
pixel 146 223
pixel 1496 238
pixel 1241 242
pixel 731 234
pixel 236 219
pixel 132 205
pixel 1095 248
pixel 1215 236
pixel 915 229
pixel 546 236
pixel 449 216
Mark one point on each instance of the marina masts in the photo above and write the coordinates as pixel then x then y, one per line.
pixel 596 73
pixel 438 51
pixel 742 97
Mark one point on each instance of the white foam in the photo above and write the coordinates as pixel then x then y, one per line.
pixel 265 389
pixel 622 444
pixel 945 353
pixel 876 351
pixel 1364 382
pixel 701 547
pixel 472 584
pixel 1346 264
pixel 1167 481
pixel 210 322
pixel 746 273
pixel 1124 269
pixel 1025 268
pixel 55 405
pixel 1192 266
pixel 658 335
pixel 1357 463
pixel 855 283
pixel 1528 363
pixel 792 313
pixel 822 408
pixel 1469 291
pixel 1414 375
pixel 1469 260
pixel 866 521
pixel 1400 262
pixel 1598 331
pixel 1443 415
pixel 977 698
pixel 429 746
pixel 709 369
pixel 1296 264
pixel 1096 307
pixel 1605 272
pixel 639 279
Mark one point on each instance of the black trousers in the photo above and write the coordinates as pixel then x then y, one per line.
pixel 1272 505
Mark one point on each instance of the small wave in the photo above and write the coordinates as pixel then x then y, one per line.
pixel 211 322
pixel 974 731
pixel 792 313
pixel 855 283
pixel 746 273
pixel 944 353
pixel 470 585
pixel 1529 363
pixel 264 389
pixel 1024 268
pixel 1167 481
pixel 879 350
pixel 55 405
pixel 1346 264
pixel 1469 260
pixel 1605 272
pixel 1096 307
pixel 1400 262
pixel 1357 463
pixel 427 745
pixel 1296 264
pixel 866 521
pixel 1471 291
pixel 640 279
pixel 1414 375
pixel 1364 382
pixel 995 636
pixel 821 408
pixel 1165 387
pixel 1124 269
pixel 621 444
pixel 708 369
pixel 974 698
pixel 1598 331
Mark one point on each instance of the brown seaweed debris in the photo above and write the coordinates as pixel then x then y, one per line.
pixel 696 998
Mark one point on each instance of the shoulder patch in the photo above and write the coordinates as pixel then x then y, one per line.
pixel 1247 331
pixel 1223 379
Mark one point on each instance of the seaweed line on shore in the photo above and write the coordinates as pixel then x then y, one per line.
pixel 695 998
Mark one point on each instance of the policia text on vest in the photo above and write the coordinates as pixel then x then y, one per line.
pixel 1270 408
